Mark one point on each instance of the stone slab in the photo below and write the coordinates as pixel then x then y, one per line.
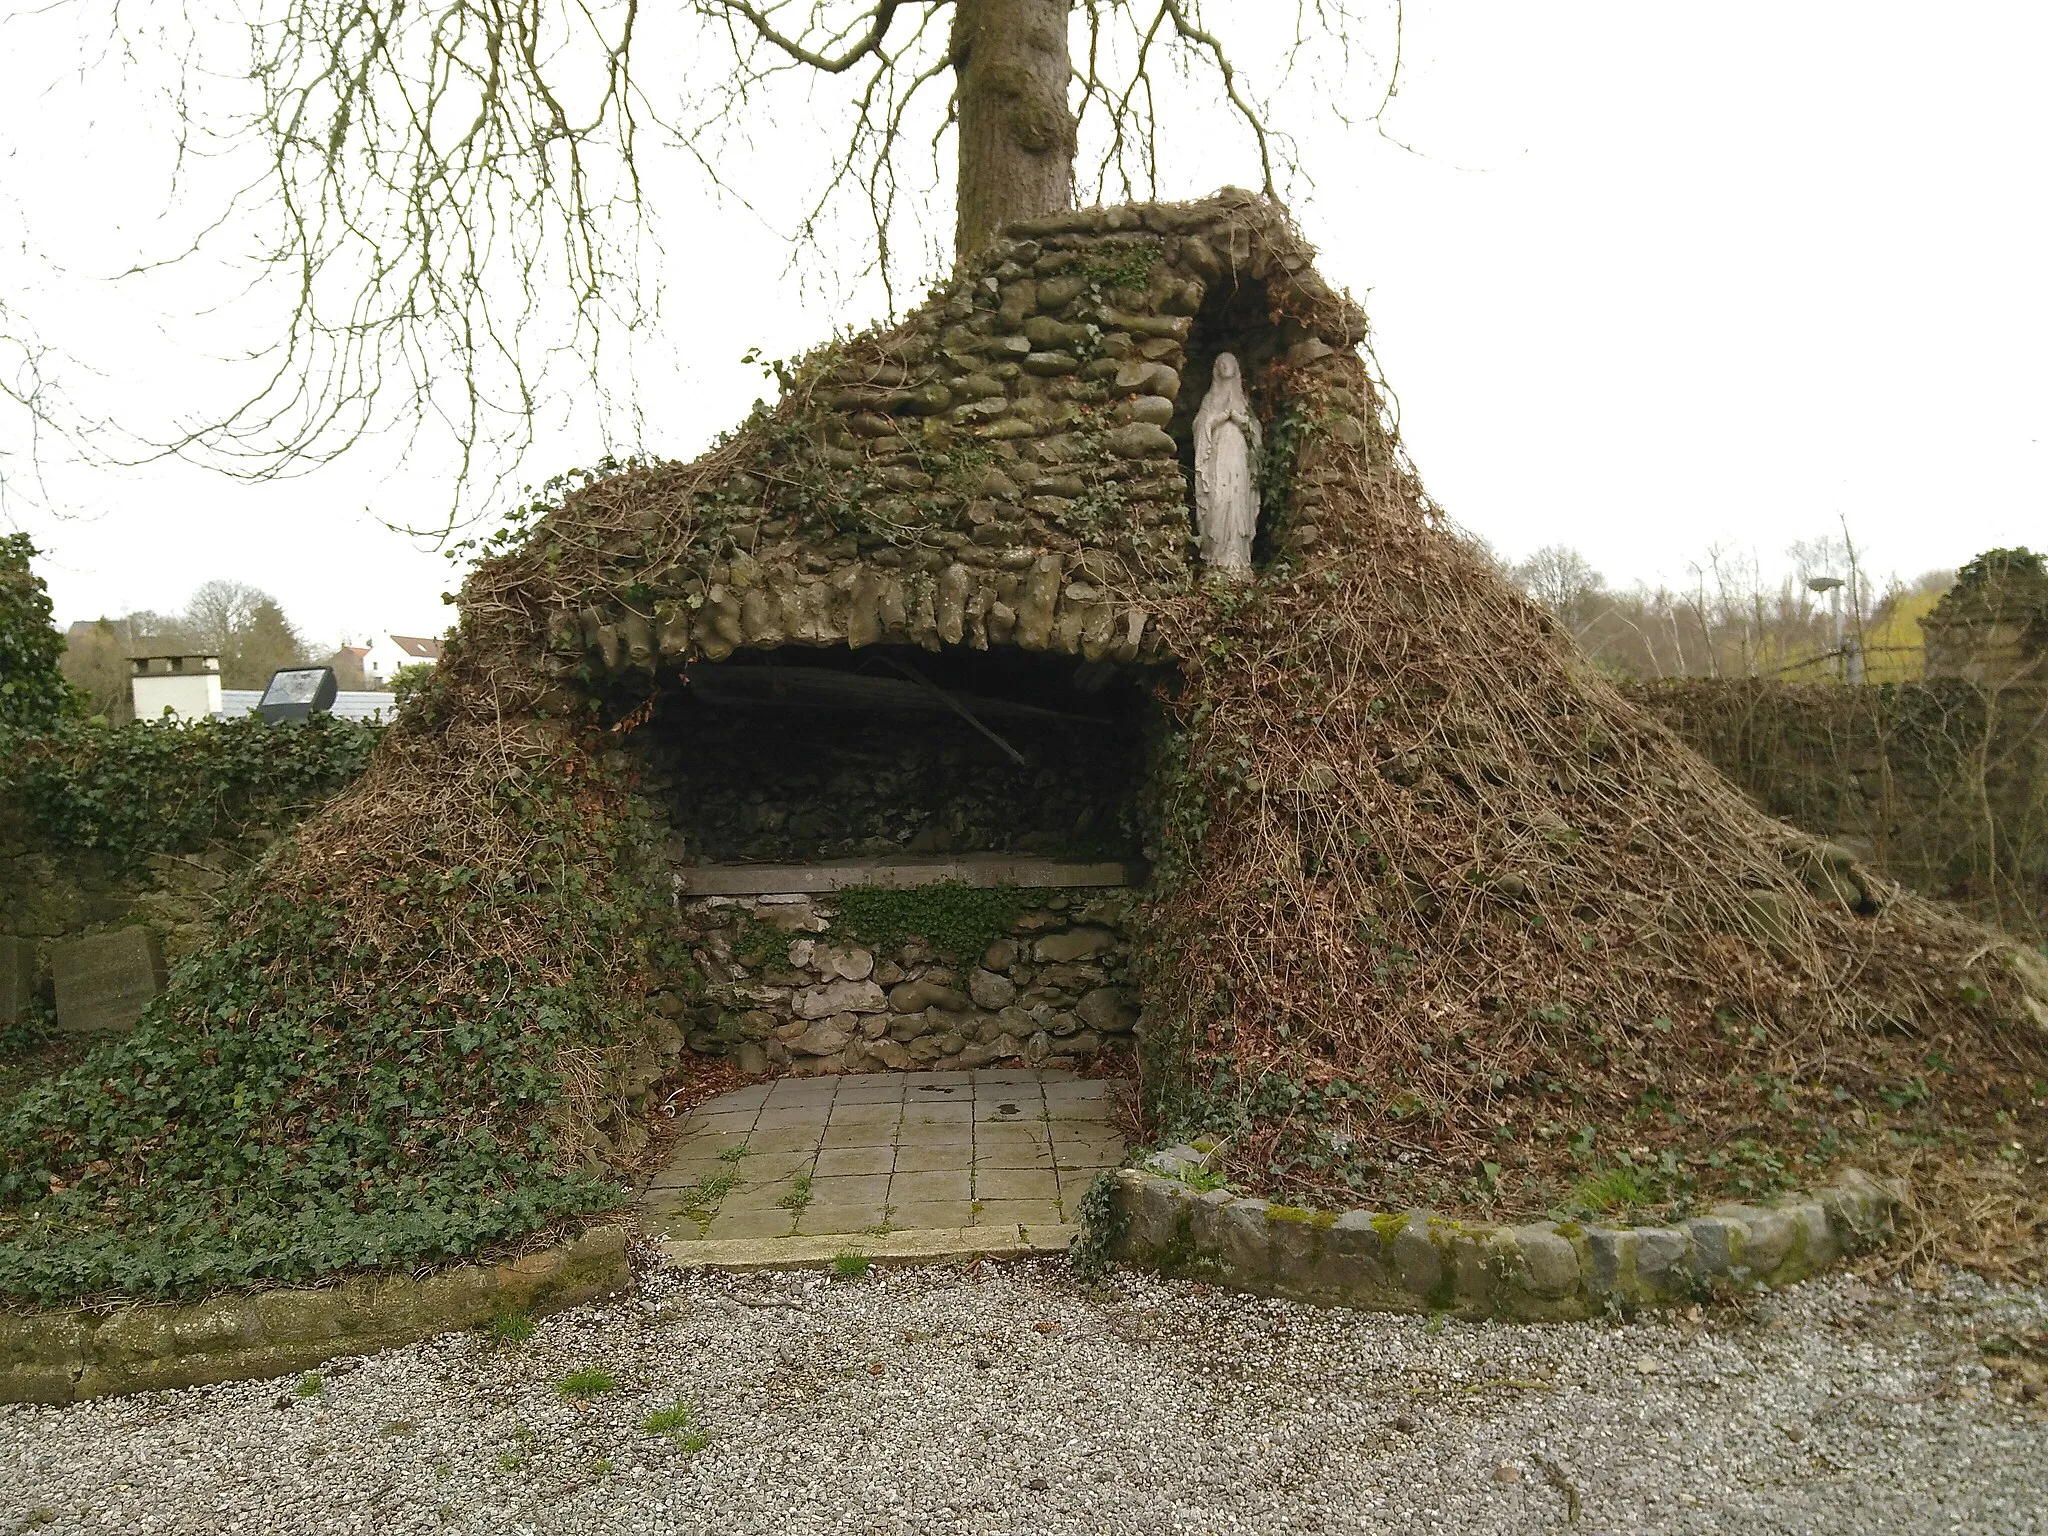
pixel 870 1164
pixel 68 1354
pixel 105 980
pixel 17 979
pixel 932 1246
pixel 901 874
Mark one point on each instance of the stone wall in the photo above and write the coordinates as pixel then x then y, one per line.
pixel 1941 785
pixel 50 895
pixel 786 988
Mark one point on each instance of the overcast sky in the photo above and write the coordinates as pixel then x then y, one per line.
pixel 1647 279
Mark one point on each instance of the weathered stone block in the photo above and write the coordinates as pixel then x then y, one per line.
pixel 1716 1246
pixel 842 997
pixel 1231 1230
pixel 1611 1262
pixel 105 981
pixel 1416 1258
pixel 1074 944
pixel 1661 1254
pixel 17 979
pixel 1550 1264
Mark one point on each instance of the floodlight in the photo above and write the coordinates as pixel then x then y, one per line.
pixel 1823 583
pixel 297 693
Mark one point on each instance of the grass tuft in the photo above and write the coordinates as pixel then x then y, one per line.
pixel 591 1381
pixel 509 1328
pixel 679 1422
pixel 850 1265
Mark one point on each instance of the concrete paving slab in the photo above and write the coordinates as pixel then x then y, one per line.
pixel 801 1090
pixel 778 1117
pixel 768 1223
pixel 838 1161
pixel 861 1134
pixel 954 1112
pixel 922 1157
pixel 787 1138
pixel 875 1088
pixel 864 1113
pixel 933 1246
pixel 1019 1213
pixel 732 1123
pixel 930 1184
pixel 1012 1157
pixel 757 1197
pixel 747 1098
pixel 851 1189
pixel 815 1220
pixel 831 1162
pixel 925 1215
pixel 1016 1184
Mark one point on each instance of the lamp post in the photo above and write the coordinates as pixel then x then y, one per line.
pixel 1832 585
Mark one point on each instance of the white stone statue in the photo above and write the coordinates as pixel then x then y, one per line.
pixel 1226 480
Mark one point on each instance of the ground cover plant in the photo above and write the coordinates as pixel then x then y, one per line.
pixel 171 786
pixel 378 1063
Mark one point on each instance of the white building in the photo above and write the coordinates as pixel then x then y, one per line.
pixel 387 653
pixel 185 686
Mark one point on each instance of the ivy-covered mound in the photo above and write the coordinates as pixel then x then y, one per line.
pixel 380 1062
pixel 1443 921
pixel 1438 916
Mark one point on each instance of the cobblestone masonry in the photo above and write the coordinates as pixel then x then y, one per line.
pixel 785 991
pixel 1005 468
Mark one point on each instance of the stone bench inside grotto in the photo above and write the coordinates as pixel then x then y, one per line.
pixel 886 859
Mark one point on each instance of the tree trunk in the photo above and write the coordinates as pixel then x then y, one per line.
pixel 1011 67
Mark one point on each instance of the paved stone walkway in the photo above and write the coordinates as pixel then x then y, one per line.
pixel 997 1152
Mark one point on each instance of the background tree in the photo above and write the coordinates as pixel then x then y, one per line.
pixel 246 628
pixel 242 625
pixel 453 195
pixel 1564 581
pixel 1734 620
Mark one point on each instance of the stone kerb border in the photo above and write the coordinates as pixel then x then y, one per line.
pixel 1544 1271
pixel 68 1355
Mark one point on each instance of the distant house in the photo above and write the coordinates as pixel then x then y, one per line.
pixel 387 653
pixel 351 668
pixel 182 684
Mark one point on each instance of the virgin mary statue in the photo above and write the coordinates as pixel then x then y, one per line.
pixel 1226 491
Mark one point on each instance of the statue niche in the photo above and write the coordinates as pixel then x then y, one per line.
pixel 1226 471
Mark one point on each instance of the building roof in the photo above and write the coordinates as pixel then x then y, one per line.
pixel 372 708
pixel 417 646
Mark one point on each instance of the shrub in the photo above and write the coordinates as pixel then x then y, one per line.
pixel 33 693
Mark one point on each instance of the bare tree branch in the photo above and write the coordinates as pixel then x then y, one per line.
pixel 449 197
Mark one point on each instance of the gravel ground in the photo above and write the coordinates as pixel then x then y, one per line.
pixel 1013 1399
